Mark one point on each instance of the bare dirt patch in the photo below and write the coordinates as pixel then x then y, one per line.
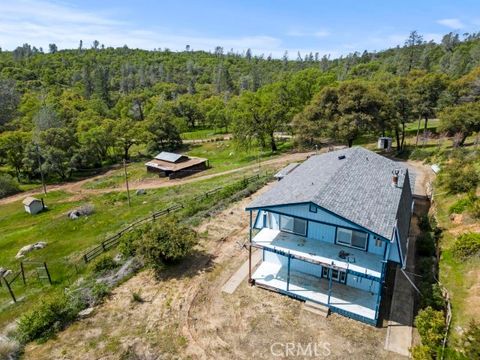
pixel 185 315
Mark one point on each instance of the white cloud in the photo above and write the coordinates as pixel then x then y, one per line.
pixel 452 23
pixel 41 22
pixel 433 36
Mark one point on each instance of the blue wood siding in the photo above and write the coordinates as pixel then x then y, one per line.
pixel 303 210
pixel 373 248
pixel 321 232
pixel 394 254
pixel 316 230
pixel 306 267
pixel 363 283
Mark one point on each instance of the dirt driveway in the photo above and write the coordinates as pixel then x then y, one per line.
pixel 186 315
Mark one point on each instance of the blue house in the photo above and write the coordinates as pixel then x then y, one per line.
pixel 328 230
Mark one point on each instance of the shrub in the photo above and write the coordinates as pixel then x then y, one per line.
pixel 426 244
pixel 136 297
pixel 99 291
pixel 475 209
pixel 424 223
pixel 166 242
pixel 104 263
pixel 460 176
pixel 8 186
pixel 466 245
pixel 421 352
pixel 471 341
pixel 126 246
pixel 430 324
pixel 460 206
pixel 431 292
pixel 46 318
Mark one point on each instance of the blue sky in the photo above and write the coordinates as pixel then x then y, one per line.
pixel 266 26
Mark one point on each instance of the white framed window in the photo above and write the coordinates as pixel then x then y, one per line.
pixel 337 275
pixel 293 225
pixel 352 238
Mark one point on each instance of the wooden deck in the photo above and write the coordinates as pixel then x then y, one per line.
pixel 359 261
pixel 310 287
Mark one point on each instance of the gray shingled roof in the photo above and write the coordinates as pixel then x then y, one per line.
pixel 169 157
pixel 286 170
pixel 357 188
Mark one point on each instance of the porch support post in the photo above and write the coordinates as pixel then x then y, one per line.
pixel 288 271
pixel 250 280
pixel 329 285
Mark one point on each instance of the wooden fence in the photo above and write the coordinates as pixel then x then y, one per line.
pixel 113 241
pixel 41 270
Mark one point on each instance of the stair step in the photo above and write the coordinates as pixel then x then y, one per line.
pixel 315 308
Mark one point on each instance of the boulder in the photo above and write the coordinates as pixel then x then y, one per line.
pixel 74 214
pixel 140 192
pixel 85 313
pixel 27 248
pixel 4 272
pixel 83 210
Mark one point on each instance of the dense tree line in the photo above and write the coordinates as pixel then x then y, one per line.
pixel 72 109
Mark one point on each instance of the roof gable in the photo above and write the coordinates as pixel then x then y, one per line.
pixel 30 200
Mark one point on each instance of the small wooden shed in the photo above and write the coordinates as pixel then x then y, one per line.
pixel 173 165
pixel 33 205
pixel 385 143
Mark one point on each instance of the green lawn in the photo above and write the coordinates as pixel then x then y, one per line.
pixel 68 239
pixel 202 134
pixel 136 171
pixel 224 155
pixel 412 126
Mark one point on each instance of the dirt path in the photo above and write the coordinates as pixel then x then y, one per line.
pixel 76 188
pixel 186 315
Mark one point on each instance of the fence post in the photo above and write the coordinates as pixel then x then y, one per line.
pixel 48 274
pixel 85 258
pixel 23 273
pixel 10 290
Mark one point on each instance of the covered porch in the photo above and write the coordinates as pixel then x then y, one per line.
pixel 349 301
pixel 314 270
pixel 321 252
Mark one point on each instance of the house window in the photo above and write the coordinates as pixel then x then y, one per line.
pixel 378 242
pixel 313 208
pixel 352 238
pixel 293 225
pixel 337 275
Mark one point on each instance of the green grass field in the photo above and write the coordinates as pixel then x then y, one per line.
pixel 68 239
pixel 202 134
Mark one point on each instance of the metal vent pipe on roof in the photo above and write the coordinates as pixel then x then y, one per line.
pixel 395 177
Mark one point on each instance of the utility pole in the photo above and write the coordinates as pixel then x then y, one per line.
pixel 126 181
pixel 41 171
